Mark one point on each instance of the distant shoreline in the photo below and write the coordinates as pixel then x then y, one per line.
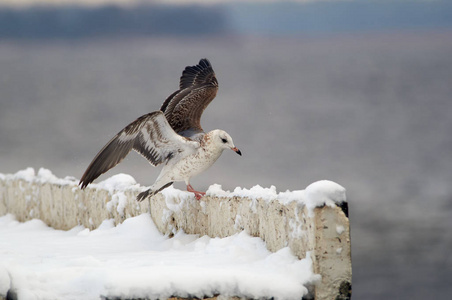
pixel 243 19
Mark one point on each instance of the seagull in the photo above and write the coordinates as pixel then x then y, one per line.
pixel 171 136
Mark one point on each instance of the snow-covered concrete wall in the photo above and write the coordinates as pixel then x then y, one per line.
pixel 313 220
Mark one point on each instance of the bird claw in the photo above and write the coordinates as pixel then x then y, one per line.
pixel 198 195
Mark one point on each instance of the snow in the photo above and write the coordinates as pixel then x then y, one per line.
pixel 28 174
pixel 340 229
pixel 317 194
pixel 43 176
pixel 5 281
pixel 134 260
pixel 117 182
pixel 324 192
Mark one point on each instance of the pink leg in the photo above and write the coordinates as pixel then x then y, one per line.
pixel 198 195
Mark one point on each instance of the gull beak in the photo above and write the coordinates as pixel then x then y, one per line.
pixel 236 151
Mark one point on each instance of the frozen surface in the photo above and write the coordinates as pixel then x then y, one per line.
pixel 43 175
pixel 323 192
pixel 134 260
pixel 118 182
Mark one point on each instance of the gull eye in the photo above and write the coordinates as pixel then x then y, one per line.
pixel 224 140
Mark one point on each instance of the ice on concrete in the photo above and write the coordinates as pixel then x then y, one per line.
pixel 317 194
pixel 320 193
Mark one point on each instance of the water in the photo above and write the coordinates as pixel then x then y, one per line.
pixel 371 112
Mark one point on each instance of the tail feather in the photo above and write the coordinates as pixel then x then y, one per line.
pixel 149 193
pixel 143 195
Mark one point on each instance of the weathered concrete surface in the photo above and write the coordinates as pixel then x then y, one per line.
pixel 324 233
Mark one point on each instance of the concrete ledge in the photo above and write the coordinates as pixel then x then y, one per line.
pixel 320 227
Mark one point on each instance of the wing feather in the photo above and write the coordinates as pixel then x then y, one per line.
pixel 198 87
pixel 150 135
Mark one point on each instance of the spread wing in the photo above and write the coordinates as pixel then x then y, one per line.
pixel 198 87
pixel 150 135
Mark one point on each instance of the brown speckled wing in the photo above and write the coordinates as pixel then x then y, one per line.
pixel 150 135
pixel 198 87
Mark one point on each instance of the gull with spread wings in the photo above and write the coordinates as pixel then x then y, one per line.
pixel 171 136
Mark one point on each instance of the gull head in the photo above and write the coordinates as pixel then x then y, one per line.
pixel 222 140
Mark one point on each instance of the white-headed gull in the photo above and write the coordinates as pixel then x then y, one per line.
pixel 171 136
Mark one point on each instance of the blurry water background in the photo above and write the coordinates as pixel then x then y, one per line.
pixel 358 94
